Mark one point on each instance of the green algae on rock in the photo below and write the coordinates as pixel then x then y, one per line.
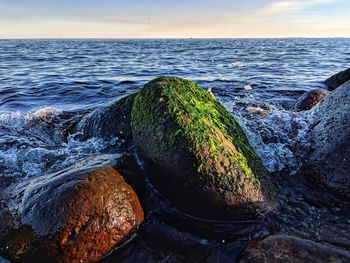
pixel 197 153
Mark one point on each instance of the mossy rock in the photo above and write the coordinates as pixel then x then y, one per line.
pixel 196 153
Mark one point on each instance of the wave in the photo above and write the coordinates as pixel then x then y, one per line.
pixel 279 138
pixel 34 143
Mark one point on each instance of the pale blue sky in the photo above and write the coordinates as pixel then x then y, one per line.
pixel 173 19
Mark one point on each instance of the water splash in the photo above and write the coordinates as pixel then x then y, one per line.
pixel 279 139
pixel 34 143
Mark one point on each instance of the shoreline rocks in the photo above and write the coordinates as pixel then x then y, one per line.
pixel 196 153
pixel 71 216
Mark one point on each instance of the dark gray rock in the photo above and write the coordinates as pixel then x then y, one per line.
pixel 328 162
pixel 282 249
pixel 309 99
pixel 338 79
pixel 109 122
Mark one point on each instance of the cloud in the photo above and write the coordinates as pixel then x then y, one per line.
pixel 281 6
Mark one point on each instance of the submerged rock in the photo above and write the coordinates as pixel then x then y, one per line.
pixel 309 99
pixel 280 248
pixel 338 79
pixel 109 122
pixel 71 216
pixel 328 162
pixel 197 154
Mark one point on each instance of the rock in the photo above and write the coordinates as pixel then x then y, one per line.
pixel 77 215
pixel 70 121
pixel 280 248
pixel 127 165
pixel 338 79
pixel 6 181
pixel 109 122
pixel 309 99
pixel 196 153
pixel 328 162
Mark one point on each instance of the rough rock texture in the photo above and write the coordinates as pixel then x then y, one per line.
pixel 196 153
pixel 288 249
pixel 109 122
pixel 309 99
pixel 338 79
pixel 71 216
pixel 328 162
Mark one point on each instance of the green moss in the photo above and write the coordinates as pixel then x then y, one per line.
pixel 213 136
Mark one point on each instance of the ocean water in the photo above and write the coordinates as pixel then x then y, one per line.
pixel 83 73
pixel 44 84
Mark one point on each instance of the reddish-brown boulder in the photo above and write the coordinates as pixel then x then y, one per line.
pixel 72 216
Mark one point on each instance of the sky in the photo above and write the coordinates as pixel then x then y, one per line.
pixel 174 18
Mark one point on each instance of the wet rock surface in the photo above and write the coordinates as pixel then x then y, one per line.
pixel 328 162
pixel 304 212
pixel 338 79
pixel 309 99
pixel 109 122
pixel 76 215
pixel 281 248
pixel 199 156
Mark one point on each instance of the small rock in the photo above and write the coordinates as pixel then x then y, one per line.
pixel 309 99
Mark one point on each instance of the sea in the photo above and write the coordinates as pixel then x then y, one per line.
pixel 44 83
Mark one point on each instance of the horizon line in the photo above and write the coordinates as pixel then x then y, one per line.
pixel 170 38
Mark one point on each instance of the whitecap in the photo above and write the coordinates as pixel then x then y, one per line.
pixel 33 143
pixel 235 64
pixel 247 87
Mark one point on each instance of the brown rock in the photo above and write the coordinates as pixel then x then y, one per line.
pixel 309 99
pixel 288 249
pixel 71 216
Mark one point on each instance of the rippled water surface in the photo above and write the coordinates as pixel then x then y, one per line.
pixel 77 73
pixel 46 84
